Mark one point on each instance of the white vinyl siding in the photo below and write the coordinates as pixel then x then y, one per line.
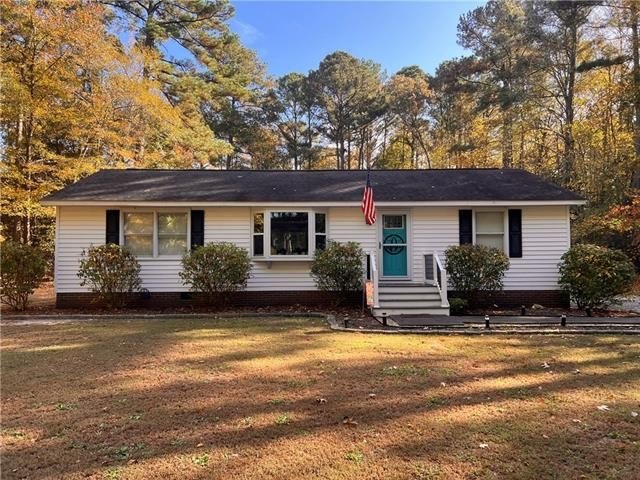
pixel 77 229
pixel 545 237
pixel 346 224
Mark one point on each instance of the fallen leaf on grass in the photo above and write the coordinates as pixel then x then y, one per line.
pixel 484 445
pixel 349 421
pixel 634 414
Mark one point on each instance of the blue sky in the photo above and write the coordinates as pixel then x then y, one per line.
pixel 295 35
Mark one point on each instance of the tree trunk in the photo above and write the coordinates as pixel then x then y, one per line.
pixel 568 160
pixel 309 137
pixel 635 46
pixel 507 139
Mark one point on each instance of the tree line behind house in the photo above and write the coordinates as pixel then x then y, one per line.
pixel 552 87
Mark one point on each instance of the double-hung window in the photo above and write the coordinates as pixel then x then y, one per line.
pixel 156 234
pixel 172 233
pixel 288 233
pixel 490 229
pixel 258 234
pixel 138 233
pixel 321 231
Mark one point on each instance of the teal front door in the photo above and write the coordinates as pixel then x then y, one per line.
pixel 394 245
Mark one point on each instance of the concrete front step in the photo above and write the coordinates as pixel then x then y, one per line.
pixel 381 312
pixel 409 296
pixel 400 303
pixel 405 290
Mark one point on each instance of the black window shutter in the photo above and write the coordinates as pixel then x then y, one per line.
pixel 515 233
pixel 112 233
pixel 465 221
pixel 197 228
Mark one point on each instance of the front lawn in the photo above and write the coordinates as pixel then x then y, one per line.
pixel 288 399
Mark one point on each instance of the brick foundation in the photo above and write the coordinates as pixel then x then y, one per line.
pixel 161 300
pixel 516 298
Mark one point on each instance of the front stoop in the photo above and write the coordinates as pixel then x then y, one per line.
pixel 408 298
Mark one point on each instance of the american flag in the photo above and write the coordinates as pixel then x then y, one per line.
pixel 368 205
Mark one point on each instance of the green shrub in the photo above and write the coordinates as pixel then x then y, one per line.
pixel 216 269
pixel 594 275
pixel 475 268
pixel 110 271
pixel 617 227
pixel 22 270
pixel 339 268
pixel 457 306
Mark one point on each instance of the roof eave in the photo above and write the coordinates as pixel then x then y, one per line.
pixel 449 203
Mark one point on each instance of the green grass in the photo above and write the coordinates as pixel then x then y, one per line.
pixel 201 460
pixel 283 419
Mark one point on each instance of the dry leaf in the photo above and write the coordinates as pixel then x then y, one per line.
pixel 349 421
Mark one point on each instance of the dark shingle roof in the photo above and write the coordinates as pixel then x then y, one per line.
pixel 311 186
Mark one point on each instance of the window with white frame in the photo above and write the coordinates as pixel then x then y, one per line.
pixel 321 231
pixel 490 229
pixel 138 233
pixel 288 233
pixel 258 234
pixel 172 233
pixel 156 234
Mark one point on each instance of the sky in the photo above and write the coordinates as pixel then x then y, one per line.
pixel 294 36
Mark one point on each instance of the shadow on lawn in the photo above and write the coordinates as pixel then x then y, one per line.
pixel 186 395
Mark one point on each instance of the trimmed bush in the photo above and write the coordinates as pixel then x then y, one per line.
pixel 594 275
pixel 475 268
pixel 457 306
pixel 215 269
pixel 111 272
pixel 22 270
pixel 339 268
